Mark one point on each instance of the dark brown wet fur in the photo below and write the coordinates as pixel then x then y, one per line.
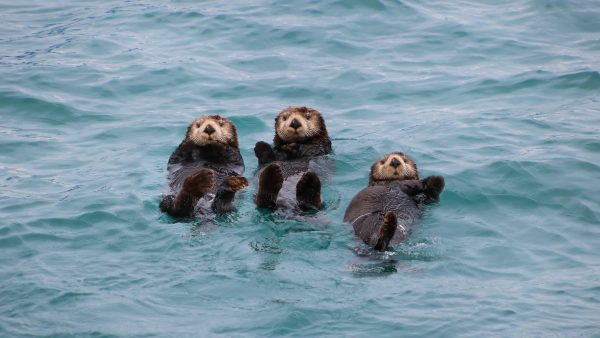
pixel 396 199
pixel 194 187
pixel 294 156
pixel 432 187
pixel 224 197
pixel 386 231
pixel 270 182
pixel 264 153
pixel 215 167
pixel 308 192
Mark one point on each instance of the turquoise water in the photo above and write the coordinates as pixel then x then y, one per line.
pixel 500 97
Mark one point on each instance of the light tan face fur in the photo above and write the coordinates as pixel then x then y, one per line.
pixel 306 124
pixel 210 129
pixel 394 166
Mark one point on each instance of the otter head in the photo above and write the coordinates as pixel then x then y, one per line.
pixel 299 124
pixel 394 167
pixel 211 129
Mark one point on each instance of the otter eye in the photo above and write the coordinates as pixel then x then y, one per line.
pixel 221 123
pixel 382 162
pixel 197 124
pixel 307 115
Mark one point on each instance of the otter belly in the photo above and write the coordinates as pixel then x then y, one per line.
pixel 366 212
pixel 180 171
pixel 292 171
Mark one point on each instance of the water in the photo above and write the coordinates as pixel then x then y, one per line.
pixel 502 98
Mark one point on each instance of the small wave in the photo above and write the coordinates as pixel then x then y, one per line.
pixel 585 80
pixel 46 111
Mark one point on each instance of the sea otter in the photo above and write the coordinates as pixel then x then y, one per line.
pixel 204 172
pixel 384 211
pixel 288 172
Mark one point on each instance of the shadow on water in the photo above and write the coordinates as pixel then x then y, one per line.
pixel 285 232
pixel 400 258
pixel 371 263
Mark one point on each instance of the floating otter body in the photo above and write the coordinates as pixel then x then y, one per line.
pixel 289 172
pixel 395 199
pixel 205 170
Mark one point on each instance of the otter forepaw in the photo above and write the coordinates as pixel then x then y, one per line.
pixel 234 183
pixel 199 183
pixel 264 152
pixel 292 150
pixel 223 201
pixel 433 186
pixel 308 191
pixel 167 202
pixel 269 184
pixel 387 231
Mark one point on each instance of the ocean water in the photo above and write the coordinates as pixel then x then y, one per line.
pixel 502 98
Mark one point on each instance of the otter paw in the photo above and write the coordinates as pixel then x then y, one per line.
pixel 434 186
pixel 308 191
pixel 269 184
pixel 234 183
pixel 166 204
pixel 199 183
pixel 264 152
pixel 387 231
pixel 292 150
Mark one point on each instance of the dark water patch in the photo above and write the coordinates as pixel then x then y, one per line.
pixel 249 124
pixel 156 81
pixel 346 49
pixel 24 151
pixel 300 92
pixel 68 298
pixel 176 18
pixel 11 241
pixel 587 80
pixel 144 133
pixel 593 146
pixel 37 110
pixel 261 64
pixel 298 37
pixel 375 5
pixel 234 93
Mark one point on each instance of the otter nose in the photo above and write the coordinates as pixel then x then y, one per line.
pixel 295 124
pixel 395 163
pixel 209 129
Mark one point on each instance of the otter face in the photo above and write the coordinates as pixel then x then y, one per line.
pixel 212 129
pixel 394 166
pixel 295 124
